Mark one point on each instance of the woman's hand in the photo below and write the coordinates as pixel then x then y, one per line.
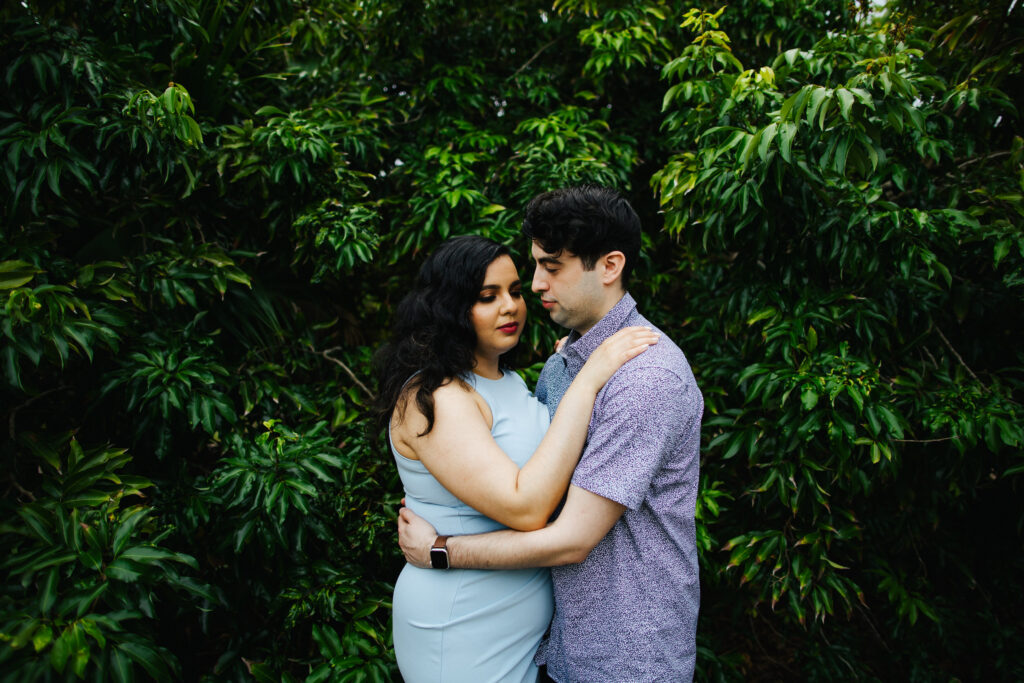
pixel 612 354
pixel 415 536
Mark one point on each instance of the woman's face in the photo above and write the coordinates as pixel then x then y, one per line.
pixel 499 312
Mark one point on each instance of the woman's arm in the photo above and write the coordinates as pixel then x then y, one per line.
pixel 461 453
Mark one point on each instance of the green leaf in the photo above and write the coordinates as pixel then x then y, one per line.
pixel 1000 251
pixel 328 641
pixel 809 397
pixel 748 150
pixel 264 673
pixel 146 554
pixel 48 592
pixel 320 674
pixel 121 667
pixel 786 135
pixel 761 315
pixel 845 102
pixel 818 96
pixel 24 635
pixel 16 273
pixel 148 658
pixel 42 637
pixel 129 523
pixel 890 421
pixel 842 150
pixel 62 648
pixel 124 570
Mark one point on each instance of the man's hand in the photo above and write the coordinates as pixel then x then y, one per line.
pixel 415 536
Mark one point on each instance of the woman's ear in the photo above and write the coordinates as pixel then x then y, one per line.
pixel 611 265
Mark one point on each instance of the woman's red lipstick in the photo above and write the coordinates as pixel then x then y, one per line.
pixel 509 328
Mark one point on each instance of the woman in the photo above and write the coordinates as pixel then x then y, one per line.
pixel 475 453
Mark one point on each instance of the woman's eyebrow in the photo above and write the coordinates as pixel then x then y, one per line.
pixel 517 283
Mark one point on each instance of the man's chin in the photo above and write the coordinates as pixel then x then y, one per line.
pixel 559 319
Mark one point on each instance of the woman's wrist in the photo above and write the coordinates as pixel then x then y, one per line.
pixel 590 380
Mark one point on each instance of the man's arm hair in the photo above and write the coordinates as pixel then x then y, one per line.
pixel 585 519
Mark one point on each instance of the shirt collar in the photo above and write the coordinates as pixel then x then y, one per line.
pixel 581 347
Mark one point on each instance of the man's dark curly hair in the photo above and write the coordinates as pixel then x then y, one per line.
pixel 588 221
pixel 432 336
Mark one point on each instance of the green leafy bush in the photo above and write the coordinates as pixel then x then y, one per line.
pixel 86 571
pixel 209 210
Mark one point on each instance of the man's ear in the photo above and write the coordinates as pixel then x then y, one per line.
pixel 611 265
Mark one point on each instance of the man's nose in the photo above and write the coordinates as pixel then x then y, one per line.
pixel 538 284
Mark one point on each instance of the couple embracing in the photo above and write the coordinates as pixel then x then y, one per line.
pixel 610 439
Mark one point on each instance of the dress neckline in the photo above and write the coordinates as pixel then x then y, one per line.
pixel 477 377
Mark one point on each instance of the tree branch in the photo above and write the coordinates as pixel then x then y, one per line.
pixel 535 55
pixel 327 354
pixel 973 160
pixel 960 358
pixel 26 404
pixel 944 438
pixel 21 489
pixel 929 354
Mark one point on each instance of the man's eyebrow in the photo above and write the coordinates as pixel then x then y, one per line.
pixel 549 260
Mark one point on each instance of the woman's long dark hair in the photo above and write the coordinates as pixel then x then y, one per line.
pixel 432 333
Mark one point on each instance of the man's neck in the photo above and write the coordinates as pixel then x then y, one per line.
pixel 608 304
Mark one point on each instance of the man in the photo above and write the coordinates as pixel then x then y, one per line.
pixel 623 549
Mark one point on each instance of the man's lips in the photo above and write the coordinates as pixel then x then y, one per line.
pixel 546 304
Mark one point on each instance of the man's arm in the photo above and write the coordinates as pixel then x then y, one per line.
pixel 583 522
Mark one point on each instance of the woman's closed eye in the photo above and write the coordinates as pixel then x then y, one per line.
pixel 488 298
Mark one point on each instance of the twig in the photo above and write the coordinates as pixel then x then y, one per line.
pixel 994 155
pixel 959 358
pixel 864 614
pixel 408 121
pixel 26 404
pixel 21 489
pixel 944 438
pixel 535 55
pixel 764 650
pixel 327 354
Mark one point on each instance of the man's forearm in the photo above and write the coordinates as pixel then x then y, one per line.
pixel 583 522
pixel 509 549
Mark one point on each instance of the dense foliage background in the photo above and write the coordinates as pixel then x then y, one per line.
pixel 211 206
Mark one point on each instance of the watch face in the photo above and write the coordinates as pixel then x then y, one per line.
pixel 439 558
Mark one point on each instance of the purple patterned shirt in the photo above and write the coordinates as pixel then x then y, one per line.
pixel 629 611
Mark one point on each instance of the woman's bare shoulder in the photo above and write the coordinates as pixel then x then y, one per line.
pixel 408 414
pixel 454 389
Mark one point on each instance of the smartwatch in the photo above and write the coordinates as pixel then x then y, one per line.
pixel 439 553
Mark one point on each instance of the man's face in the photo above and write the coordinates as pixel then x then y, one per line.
pixel 570 293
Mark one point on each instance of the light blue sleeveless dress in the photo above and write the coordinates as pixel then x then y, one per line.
pixel 469 625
